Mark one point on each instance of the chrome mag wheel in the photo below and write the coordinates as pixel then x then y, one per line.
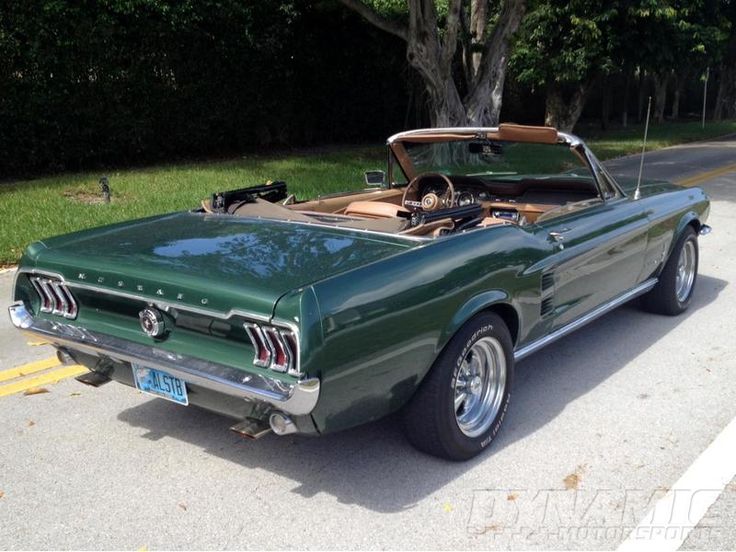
pixel 685 275
pixel 479 386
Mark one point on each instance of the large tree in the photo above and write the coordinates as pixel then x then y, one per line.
pixel 563 48
pixel 460 48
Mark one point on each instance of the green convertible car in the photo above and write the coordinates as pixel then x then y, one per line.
pixel 476 248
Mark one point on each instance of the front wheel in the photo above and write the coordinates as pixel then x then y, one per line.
pixel 460 406
pixel 674 290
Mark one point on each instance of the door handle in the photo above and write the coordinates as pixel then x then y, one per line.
pixel 558 237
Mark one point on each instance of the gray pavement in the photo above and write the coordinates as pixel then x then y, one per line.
pixel 601 424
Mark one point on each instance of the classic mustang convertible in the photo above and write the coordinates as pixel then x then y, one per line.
pixel 479 247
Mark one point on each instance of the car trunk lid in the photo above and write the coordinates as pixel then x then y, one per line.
pixel 214 262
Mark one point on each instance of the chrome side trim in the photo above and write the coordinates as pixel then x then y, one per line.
pixel 534 346
pixel 298 398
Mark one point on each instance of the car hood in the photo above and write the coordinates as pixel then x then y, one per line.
pixel 219 262
pixel 647 187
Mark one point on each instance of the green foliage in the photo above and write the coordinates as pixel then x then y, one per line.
pixel 97 82
pixel 566 42
pixel 674 34
pixel 571 42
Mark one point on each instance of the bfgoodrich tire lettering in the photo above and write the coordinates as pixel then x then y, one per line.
pixel 676 284
pixel 459 408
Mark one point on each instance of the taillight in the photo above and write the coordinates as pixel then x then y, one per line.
pixel 55 297
pixel 275 348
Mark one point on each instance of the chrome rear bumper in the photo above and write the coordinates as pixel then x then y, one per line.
pixel 298 398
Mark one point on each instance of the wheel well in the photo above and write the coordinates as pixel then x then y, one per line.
pixel 509 316
pixel 695 223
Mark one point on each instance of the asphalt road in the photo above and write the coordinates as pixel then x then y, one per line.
pixel 601 425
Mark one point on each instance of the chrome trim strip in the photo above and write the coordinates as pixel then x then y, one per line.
pixel 408 238
pixel 298 398
pixel 274 340
pixel 163 305
pixel 583 320
pixel 46 303
pixel 56 288
pixel 564 137
pixel 259 344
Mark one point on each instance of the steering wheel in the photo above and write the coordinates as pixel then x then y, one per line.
pixel 430 201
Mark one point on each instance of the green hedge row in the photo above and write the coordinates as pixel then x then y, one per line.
pixel 88 83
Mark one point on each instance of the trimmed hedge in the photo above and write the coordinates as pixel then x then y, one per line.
pixel 90 83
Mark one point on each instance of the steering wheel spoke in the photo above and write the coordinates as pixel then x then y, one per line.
pixel 430 201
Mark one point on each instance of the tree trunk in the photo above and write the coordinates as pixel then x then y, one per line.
pixel 483 101
pixel 605 103
pixel 679 80
pixel 625 108
pixel 660 95
pixel 725 107
pixel 431 51
pixel 726 99
pixel 642 96
pixel 562 112
pixel 676 103
pixel 445 107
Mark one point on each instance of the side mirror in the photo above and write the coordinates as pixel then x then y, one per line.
pixel 375 178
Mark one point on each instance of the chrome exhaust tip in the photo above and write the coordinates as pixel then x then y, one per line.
pixel 251 429
pixel 281 424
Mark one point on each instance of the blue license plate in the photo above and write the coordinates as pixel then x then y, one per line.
pixel 160 384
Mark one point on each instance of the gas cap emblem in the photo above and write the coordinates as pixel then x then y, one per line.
pixel 152 322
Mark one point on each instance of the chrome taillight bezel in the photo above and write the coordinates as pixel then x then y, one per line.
pixel 55 297
pixel 275 348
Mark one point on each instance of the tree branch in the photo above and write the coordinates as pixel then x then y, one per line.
pixel 497 44
pixel 376 19
pixel 452 26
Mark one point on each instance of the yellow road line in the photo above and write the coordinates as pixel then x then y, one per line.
pixel 53 376
pixel 29 368
pixel 702 177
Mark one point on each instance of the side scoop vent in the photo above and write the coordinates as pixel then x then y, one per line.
pixel 548 280
pixel 547 294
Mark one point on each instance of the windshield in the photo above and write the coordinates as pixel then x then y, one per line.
pixel 494 158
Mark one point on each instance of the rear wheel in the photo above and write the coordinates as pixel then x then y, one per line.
pixel 460 406
pixel 674 290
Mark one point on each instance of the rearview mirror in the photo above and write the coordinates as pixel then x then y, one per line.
pixel 374 178
pixel 485 148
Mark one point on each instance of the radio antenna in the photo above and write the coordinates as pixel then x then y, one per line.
pixel 637 192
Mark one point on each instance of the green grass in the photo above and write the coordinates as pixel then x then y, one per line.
pixel 33 209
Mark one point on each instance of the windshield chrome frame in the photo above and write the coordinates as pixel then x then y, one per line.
pixel 565 138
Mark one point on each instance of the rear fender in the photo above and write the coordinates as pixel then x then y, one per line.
pixel 476 304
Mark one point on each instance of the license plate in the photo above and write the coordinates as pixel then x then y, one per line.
pixel 161 384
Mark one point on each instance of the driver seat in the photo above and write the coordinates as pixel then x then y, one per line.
pixel 374 209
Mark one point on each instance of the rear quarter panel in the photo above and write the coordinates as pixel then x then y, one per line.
pixel 384 324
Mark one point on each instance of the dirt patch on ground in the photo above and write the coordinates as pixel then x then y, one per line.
pixel 86 197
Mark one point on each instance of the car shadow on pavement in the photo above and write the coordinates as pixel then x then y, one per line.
pixel 373 465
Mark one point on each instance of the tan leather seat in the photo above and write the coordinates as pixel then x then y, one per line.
pixel 491 221
pixel 374 209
